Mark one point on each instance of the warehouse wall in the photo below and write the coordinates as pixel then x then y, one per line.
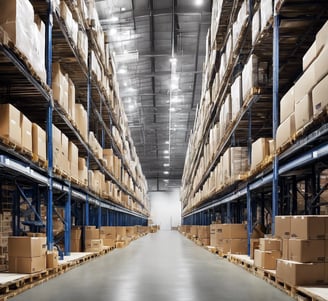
pixel 166 208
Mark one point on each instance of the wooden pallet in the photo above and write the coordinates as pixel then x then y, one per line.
pixel 42 162
pixel 9 142
pixel 263 165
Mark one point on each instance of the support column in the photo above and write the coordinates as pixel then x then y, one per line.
pixel 68 209
pixel 275 121
pixel 49 228
pixel 249 219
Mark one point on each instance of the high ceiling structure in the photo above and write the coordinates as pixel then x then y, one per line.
pixel 158 50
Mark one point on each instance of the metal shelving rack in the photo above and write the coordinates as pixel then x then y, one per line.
pixel 35 184
pixel 303 160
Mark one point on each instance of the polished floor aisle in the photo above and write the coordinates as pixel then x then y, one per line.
pixel 158 267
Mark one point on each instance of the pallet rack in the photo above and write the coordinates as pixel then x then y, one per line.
pixel 272 187
pixel 34 181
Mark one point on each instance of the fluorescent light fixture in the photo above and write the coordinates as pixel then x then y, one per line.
pixel 172 109
pixel 114 19
pixel 122 70
pixel 199 2
pixel 131 106
pixel 125 84
pixel 174 85
pixel 166 157
pixel 166 151
pixel 165 180
pixel 167 142
pixel 166 164
pixel 165 172
pixel 123 9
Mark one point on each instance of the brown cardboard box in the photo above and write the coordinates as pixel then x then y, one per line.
pixel 107 232
pixel 213 234
pixel 23 246
pixel 39 140
pixel 26 126
pixel 285 249
pixel 93 245
pixel 130 231
pixel 83 171
pixel 27 265
pixel 303 111
pixel 76 245
pixel 308 226
pixel 310 55
pixel 52 259
pixel 282 226
pixel 254 244
pixel 296 273
pixel 228 231
pixel 119 244
pixel 60 86
pixel 10 123
pixel 270 244
pixel 260 149
pixel 203 232
pixel 306 250
pixel 91 233
pixel 109 242
pixel 121 231
pixel 81 120
pixel 233 246
pixel 320 96
pixel 287 104
pixel 71 99
pixel 194 230
pixel 321 65
pixel 76 233
pixel 285 131
pixel 56 139
pixel 266 259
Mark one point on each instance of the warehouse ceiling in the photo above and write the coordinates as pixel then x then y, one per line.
pixel 158 50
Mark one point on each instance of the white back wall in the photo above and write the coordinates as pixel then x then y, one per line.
pixel 166 208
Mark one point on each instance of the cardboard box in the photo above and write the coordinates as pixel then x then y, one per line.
pixel 254 244
pixel 236 97
pixel 52 259
pixel 308 226
pixel 90 234
pixel 27 265
pixel 109 242
pixel 26 126
pixel 76 245
pixel 285 131
pixel 266 13
pixel 256 26
pixel 320 65
pixel 39 142
pixel 119 244
pixel 233 246
pixel 81 121
pixel 266 259
pixel 194 230
pixel 107 232
pixel 310 56
pixel 306 250
pixel 10 123
pixel 282 226
pixel 93 245
pixel 71 99
pixel 320 96
pixel 260 149
pixel 285 249
pixel 287 104
pixel 121 231
pixel 296 273
pixel 203 232
pixel 270 244
pixel 76 233
pixel 60 86
pixel 229 231
pixel 213 234
pixel 303 111
pixel 83 171
pixel 23 246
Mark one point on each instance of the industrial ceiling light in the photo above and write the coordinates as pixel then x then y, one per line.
pixel 166 151
pixel 173 60
pixel 165 172
pixel 114 19
pixel 199 2
pixel 172 109
pixel 123 9
pixel 113 31
pixel 165 180
pixel 166 157
pixel 166 164
pixel 167 142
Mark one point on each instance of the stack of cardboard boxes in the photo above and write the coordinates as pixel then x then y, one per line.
pixel 269 251
pixel 27 254
pixel 203 235
pixel 304 244
pixel 307 98
pixel 92 241
pixel 229 238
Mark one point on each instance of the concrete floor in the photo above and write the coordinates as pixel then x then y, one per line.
pixel 158 267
